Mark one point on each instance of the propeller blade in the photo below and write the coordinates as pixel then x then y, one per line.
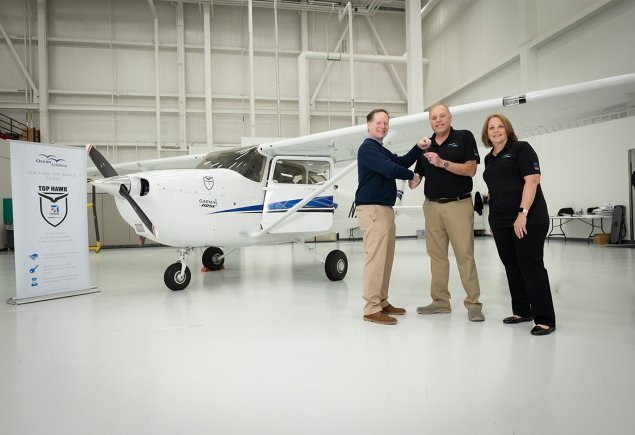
pixel 100 162
pixel 144 218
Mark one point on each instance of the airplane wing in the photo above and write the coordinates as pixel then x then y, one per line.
pixel 533 113
pixel 178 162
pixel 547 111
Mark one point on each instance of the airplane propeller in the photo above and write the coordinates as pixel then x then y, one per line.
pixel 108 171
pixel 123 191
pixel 105 169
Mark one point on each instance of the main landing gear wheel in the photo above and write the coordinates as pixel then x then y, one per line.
pixel 213 258
pixel 336 265
pixel 174 279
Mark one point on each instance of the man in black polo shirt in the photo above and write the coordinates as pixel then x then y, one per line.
pixel 448 167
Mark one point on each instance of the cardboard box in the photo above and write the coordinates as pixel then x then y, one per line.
pixel 30 135
pixel 601 239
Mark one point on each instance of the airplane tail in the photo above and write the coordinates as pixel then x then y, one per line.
pixel 108 171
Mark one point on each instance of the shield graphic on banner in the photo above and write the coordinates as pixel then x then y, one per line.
pixel 208 182
pixel 53 208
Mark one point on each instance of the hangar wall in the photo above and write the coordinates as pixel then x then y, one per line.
pixel 102 73
pixel 512 47
pixel 102 88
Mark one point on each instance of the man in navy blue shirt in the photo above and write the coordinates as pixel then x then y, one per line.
pixel 377 170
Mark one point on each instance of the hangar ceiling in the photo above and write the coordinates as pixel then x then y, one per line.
pixel 363 7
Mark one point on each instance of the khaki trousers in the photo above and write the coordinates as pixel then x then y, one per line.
pixel 377 223
pixel 453 222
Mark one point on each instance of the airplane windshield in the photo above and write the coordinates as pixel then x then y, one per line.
pixel 248 162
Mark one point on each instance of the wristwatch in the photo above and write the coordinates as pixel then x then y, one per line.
pixel 446 164
pixel 524 211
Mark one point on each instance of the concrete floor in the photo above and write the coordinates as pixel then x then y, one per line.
pixel 270 346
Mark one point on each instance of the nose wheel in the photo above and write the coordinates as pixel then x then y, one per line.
pixel 177 276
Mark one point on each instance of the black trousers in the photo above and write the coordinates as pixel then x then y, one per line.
pixel 526 274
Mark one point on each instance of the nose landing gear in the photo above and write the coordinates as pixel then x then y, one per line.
pixel 177 276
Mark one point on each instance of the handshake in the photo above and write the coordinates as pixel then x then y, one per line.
pixel 412 184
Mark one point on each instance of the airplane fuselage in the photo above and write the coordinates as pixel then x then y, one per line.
pixel 215 207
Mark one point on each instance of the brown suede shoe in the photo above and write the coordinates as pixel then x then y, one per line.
pixel 393 311
pixel 380 318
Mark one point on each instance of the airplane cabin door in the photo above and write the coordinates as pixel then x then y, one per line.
pixel 292 179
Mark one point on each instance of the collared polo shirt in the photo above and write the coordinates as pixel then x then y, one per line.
pixel 505 178
pixel 459 147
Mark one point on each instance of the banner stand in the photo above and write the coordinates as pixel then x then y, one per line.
pixel 48 186
pixel 16 301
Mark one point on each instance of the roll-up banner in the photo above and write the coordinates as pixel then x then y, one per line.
pixel 50 227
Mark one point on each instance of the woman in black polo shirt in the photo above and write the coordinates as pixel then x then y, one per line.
pixel 519 220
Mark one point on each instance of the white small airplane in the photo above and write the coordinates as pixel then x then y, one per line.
pixel 287 190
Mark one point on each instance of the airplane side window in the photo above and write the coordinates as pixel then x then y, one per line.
pixel 301 172
pixel 319 172
pixel 315 178
pixel 286 172
pixel 278 173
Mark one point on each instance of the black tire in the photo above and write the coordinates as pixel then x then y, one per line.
pixel 211 258
pixel 173 279
pixel 336 265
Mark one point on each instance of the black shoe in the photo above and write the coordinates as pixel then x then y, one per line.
pixel 539 330
pixel 513 319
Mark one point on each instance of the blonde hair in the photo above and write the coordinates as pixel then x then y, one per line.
pixel 509 129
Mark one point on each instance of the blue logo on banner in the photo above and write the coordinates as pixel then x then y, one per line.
pixel 53 208
pixel 51 160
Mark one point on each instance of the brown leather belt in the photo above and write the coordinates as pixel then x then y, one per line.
pixel 446 200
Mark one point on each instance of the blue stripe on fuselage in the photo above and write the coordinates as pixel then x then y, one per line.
pixel 322 203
